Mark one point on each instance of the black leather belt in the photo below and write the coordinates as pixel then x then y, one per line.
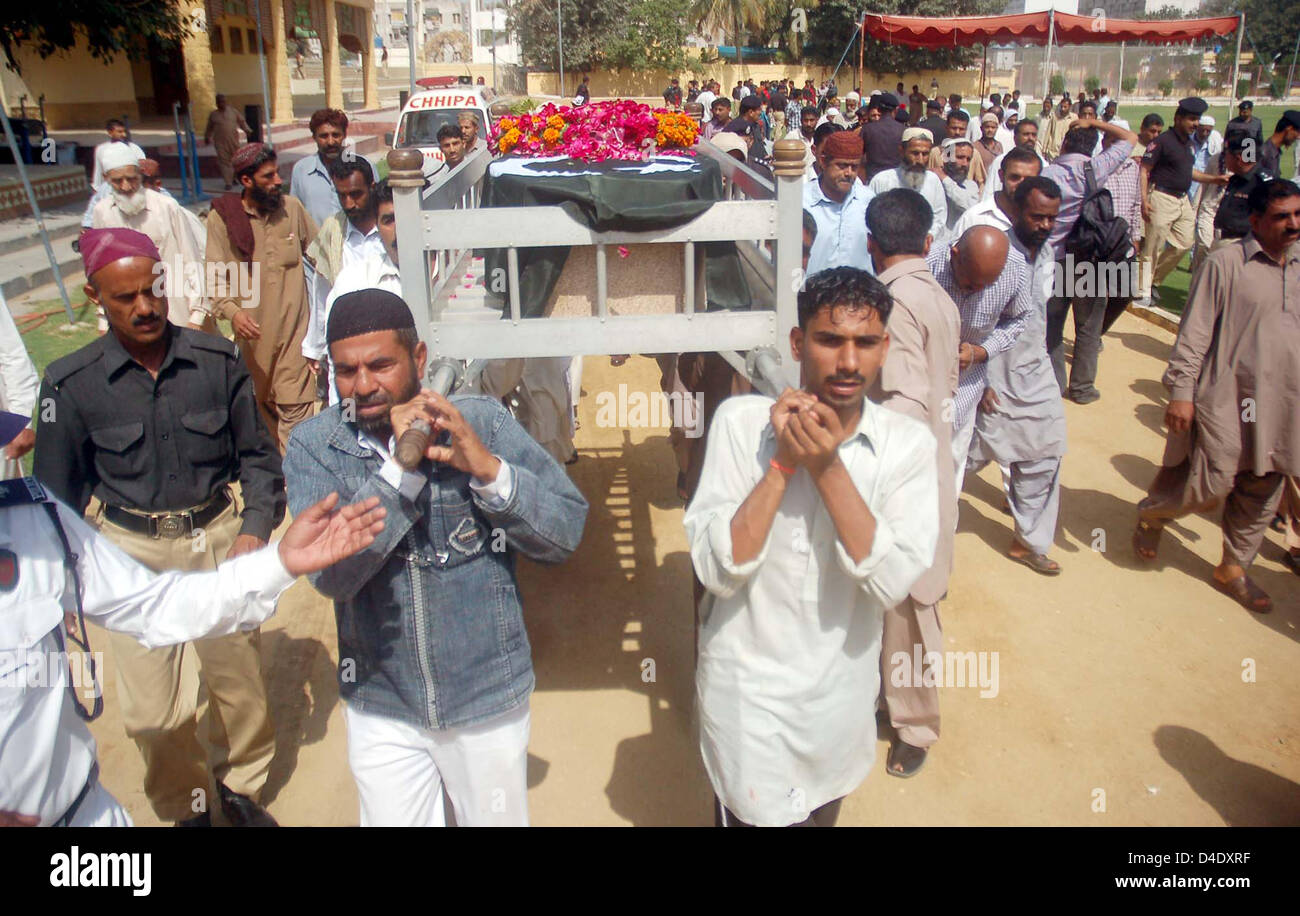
pixel 1182 193
pixel 66 820
pixel 169 524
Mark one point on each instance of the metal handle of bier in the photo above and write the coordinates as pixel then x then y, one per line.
pixel 412 444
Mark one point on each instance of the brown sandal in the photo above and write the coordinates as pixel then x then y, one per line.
pixel 1246 593
pixel 1147 537
pixel 1039 563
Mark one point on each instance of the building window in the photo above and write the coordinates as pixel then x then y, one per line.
pixel 455 18
pixel 236 7
pixel 217 40
pixel 485 37
pixel 252 40
pixel 236 41
pixel 485 6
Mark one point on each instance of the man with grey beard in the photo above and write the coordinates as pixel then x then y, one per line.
pixel 960 190
pixel 914 173
pixel 130 205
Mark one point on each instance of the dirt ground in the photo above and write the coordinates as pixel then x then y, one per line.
pixel 1125 695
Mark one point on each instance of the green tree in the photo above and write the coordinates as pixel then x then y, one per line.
pixel 1092 84
pixel 1128 84
pixel 833 23
pixel 1056 85
pixel 1166 87
pixel 651 37
pixel 110 27
pixel 737 18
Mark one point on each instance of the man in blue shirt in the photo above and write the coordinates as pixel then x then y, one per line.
pixel 838 203
pixel 311 182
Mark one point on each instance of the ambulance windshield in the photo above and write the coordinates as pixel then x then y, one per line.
pixel 420 128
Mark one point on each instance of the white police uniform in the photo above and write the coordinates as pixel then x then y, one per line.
pixel 47 755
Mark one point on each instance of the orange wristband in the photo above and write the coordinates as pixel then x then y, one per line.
pixel 788 472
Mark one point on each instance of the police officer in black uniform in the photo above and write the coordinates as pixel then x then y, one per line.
pixel 883 138
pixel 157 422
pixel 1232 220
pixel 1246 122
pixel 1164 180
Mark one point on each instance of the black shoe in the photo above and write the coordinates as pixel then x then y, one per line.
pixel 242 811
pixel 200 820
pixel 1085 397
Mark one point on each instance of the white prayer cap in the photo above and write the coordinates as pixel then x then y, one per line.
pixel 119 155
pixel 729 142
pixel 989 118
pixel 985 104
pixel 832 112
pixel 917 133
pixel 1207 120
pixel 951 142
pixel 856 97
pixel 874 93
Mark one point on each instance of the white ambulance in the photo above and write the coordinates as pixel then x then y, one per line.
pixel 441 100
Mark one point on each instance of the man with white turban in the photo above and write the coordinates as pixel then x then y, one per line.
pixel 130 205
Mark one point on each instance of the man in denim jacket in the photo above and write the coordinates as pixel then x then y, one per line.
pixel 434 664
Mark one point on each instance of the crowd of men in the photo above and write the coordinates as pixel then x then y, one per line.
pixel 980 271
pixel 930 343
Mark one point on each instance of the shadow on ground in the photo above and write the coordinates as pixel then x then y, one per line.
pixel 592 628
pixel 1244 795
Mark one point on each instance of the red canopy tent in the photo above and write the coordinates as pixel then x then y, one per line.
pixel 1038 28
pixel 1049 27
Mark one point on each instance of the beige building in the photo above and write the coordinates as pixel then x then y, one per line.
pixel 219 54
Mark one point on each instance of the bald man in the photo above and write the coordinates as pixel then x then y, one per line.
pixel 993 296
pixel 1020 423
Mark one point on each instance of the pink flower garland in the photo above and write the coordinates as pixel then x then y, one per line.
pixel 620 130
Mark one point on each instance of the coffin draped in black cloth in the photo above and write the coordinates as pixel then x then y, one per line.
pixel 611 196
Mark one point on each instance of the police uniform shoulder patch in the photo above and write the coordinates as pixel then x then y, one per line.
pixel 21 491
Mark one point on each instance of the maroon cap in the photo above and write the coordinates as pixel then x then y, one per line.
pixel 103 246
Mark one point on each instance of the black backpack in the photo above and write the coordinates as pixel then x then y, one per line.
pixel 1098 235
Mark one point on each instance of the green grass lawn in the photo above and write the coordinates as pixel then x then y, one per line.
pixel 1174 291
pixel 55 338
pixel 1133 112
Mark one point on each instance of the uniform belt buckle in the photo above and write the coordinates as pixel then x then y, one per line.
pixel 169 526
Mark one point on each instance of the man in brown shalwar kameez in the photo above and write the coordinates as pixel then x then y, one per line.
pixel 266 229
pixel 224 124
pixel 1234 387
pixel 919 380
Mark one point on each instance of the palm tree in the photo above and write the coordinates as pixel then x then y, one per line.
pixel 728 15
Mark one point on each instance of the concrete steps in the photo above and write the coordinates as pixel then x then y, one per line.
pixel 24 269
pixel 468 298
pixel 24 265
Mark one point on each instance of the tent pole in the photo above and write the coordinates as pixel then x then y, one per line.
pixel 36 208
pixel 1047 61
pixel 1236 66
pixel 1290 74
pixel 1119 87
pixel 984 69
pixel 862 43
